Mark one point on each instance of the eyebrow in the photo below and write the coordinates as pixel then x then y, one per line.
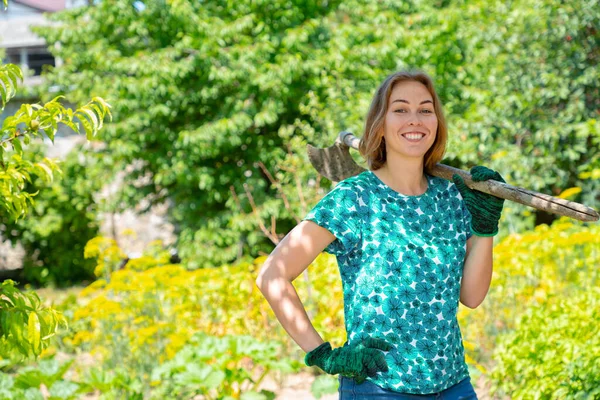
pixel 404 101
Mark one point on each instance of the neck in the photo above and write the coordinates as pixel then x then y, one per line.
pixel 404 176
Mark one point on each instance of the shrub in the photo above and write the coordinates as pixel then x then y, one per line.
pixel 529 268
pixel 553 353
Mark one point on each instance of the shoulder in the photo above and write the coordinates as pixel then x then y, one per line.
pixel 444 189
pixel 349 197
pixel 356 180
pixel 441 183
pixel 355 185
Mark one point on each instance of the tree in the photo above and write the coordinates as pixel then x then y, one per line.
pixel 214 91
pixel 25 324
pixel 532 93
pixel 33 120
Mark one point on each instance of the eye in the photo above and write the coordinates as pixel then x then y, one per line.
pixel 423 111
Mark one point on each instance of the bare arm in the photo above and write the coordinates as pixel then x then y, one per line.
pixel 287 261
pixel 477 271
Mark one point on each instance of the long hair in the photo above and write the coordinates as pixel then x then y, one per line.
pixel 372 143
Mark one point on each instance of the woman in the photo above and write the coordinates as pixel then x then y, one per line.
pixel 409 247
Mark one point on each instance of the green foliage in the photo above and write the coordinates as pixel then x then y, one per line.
pixel 212 94
pixel 324 384
pixel 220 368
pixel 115 383
pixel 529 268
pixel 9 75
pixel 25 327
pixel 27 382
pixel 524 323
pixel 552 353
pixel 223 368
pixel 144 314
pixel 25 324
pixel 531 92
pixel 65 216
pixel 32 120
pixel 137 324
pixel 8 391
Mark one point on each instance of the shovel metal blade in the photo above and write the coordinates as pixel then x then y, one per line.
pixel 334 162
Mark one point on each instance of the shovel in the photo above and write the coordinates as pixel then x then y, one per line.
pixel 336 164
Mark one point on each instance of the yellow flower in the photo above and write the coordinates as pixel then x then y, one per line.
pixel 82 337
pixel 48 352
pixel 144 335
pixel 141 319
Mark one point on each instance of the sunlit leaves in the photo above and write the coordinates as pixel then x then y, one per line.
pixel 25 324
pixel 533 272
pixel 33 120
pixel 554 351
pixel 9 76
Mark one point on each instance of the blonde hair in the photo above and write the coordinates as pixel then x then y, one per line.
pixel 372 143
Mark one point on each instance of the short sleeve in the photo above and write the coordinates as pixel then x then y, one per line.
pixel 337 212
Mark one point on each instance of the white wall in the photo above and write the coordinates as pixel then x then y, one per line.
pixel 16 10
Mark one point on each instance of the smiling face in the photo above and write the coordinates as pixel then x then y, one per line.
pixel 410 111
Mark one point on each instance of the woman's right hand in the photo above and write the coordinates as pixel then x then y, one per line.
pixel 356 361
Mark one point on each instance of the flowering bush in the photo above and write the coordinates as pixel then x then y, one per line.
pixel 532 271
pixel 146 313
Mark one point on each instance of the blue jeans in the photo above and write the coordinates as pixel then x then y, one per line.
pixel 350 390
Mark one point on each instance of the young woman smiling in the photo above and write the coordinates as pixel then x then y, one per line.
pixel 409 247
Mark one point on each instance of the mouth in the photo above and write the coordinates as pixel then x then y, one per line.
pixel 413 137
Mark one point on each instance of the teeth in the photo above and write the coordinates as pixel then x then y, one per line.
pixel 413 137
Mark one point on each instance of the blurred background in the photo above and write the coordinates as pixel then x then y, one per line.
pixel 151 239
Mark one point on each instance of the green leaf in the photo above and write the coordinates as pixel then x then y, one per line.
pixel 33 330
pixel 323 385
pixel 16 143
pixel 64 390
pixel 44 172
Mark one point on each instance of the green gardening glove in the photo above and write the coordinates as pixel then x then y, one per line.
pixel 485 209
pixel 355 361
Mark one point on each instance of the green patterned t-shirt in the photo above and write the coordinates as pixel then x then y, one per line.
pixel 401 259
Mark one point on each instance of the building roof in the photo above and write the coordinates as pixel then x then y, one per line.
pixel 44 5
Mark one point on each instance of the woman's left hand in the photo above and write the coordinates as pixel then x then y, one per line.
pixel 485 209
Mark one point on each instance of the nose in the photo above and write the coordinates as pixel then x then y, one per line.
pixel 415 120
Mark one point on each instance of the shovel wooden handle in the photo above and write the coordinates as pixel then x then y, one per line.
pixel 529 198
